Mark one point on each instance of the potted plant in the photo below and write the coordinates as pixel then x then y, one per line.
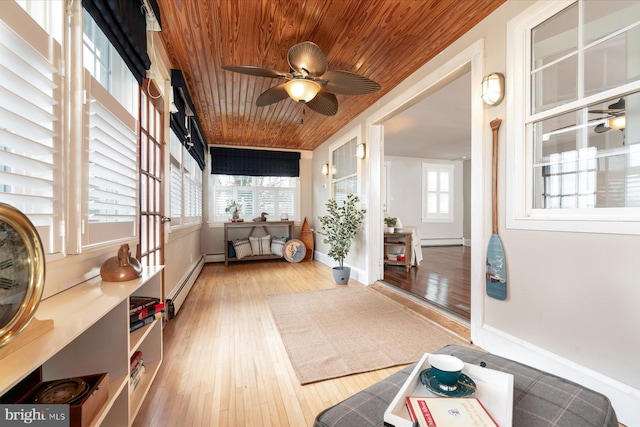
pixel 234 208
pixel 340 226
pixel 391 222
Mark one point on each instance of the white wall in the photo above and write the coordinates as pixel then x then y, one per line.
pixel 572 297
pixel 405 200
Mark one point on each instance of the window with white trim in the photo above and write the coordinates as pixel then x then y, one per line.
pixel 31 125
pixel 437 192
pixel 256 194
pixel 579 155
pixel 344 170
pixel 185 186
pixel 112 175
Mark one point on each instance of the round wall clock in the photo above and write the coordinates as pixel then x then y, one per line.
pixel 294 250
pixel 22 269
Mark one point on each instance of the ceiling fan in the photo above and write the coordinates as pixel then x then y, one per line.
pixel 308 81
pixel 615 118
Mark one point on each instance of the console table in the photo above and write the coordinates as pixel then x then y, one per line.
pixel 251 226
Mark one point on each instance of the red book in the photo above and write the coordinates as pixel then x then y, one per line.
pixel 146 312
pixel 449 412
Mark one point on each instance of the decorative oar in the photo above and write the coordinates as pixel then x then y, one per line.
pixel 496 276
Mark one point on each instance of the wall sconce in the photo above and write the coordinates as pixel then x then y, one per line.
pixel 361 150
pixel 493 89
pixel 325 169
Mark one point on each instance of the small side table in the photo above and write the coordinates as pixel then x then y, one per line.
pixel 394 240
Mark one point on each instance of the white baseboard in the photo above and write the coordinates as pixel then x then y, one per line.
pixel 356 273
pixel 625 399
pixel 179 293
pixel 441 242
pixel 214 258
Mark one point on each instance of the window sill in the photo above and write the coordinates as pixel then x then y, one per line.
pixel 577 225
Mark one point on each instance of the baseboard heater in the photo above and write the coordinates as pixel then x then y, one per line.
pixel 178 294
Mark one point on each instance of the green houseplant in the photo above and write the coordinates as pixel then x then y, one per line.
pixel 340 226
pixel 390 222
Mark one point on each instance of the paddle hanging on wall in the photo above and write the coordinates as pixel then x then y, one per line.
pixel 496 277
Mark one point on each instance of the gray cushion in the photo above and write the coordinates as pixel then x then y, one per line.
pixel 539 399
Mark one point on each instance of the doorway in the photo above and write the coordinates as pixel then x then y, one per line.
pixel 426 174
pixel 445 69
pixel 151 248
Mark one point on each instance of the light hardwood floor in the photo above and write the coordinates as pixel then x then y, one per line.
pixel 224 362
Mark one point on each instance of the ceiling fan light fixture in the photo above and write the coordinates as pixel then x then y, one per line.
pixel 493 88
pixel 618 123
pixel 302 90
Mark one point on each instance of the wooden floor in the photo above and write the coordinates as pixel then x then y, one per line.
pixel 443 278
pixel 224 361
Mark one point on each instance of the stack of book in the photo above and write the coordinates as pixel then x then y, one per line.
pixel 144 310
pixel 136 365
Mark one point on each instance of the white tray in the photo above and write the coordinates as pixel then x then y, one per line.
pixel 495 391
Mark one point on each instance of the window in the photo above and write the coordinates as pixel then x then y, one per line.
pixel 271 194
pixel 579 155
pixel 185 186
pixel 47 14
pixel 112 108
pixel 344 170
pixel 31 125
pixel 437 192
pixel 107 66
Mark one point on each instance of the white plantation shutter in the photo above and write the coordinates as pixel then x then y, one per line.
pixel 186 186
pixel 274 195
pixel 437 197
pixel 175 174
pixel 286 202
pixel 192 189
pixel 222 197
pixel 31 124
pixel 113 170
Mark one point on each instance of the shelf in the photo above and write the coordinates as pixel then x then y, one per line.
pixel 88 333
pixel 254 258
pixel 138 395
pixel 395 240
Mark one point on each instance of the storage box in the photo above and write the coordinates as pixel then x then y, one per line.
pixel 495 392
pixel 82 412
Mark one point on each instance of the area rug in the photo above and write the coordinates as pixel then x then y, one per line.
pixel 342 331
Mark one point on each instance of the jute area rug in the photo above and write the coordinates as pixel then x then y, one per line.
pixel 342 331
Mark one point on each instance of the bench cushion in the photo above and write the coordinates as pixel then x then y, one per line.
pixel 539 398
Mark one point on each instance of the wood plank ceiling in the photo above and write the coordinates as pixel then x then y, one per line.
pixel 384 40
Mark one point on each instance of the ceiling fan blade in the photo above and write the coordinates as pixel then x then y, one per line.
pixel 272 95
pixel 307 58
pixel 612 111
pixel 256 71
pixel 348 83
pixel 616 108
pixel 601 128
pixel 324 103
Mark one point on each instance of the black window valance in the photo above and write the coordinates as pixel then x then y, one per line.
pixel 238 161
pixel 124 24
pixel 184 120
